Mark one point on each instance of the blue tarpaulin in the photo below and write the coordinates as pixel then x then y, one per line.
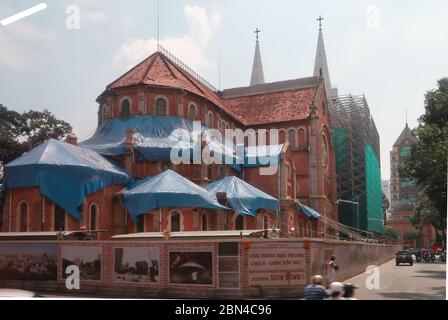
pixel 167 190
pixel 156 136
pixel 64 173
pixel 309 212
pixel 243 197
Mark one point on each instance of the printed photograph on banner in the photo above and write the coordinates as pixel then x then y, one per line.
pixel 86 258
pixel 191 267
pixel 137 264
pixel 28 262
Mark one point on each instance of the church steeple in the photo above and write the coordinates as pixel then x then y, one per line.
pixel 257 68
pixel 321 65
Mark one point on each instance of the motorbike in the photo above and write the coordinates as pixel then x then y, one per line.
pixel 418 257
pixel 442 257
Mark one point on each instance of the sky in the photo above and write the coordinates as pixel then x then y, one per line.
pixel 390 51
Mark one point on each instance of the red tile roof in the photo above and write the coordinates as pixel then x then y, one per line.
pixel 272 107
pixel 159 70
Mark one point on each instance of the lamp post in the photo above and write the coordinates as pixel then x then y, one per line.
pixel 357 208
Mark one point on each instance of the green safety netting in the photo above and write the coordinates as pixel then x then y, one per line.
pixel 373 192
pixel 340 148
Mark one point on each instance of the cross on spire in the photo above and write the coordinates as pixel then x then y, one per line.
pixel 257 32
pixel 320 21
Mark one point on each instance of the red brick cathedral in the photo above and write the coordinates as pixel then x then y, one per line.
pixel 162 92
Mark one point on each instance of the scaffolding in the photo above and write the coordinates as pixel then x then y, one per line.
pixel 357 147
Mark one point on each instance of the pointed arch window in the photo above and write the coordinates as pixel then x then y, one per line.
pixel 59 218
pixel 141 223
pixel 175 221
pixel 161 107
pixel 210 119
pixel 93 216
pixel 23 217
pixel 192 112
pixel 239 222
pixel 125 108
pixel 292 138
pixel 204 222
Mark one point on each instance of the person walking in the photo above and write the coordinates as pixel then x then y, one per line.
pixel 332 267
pixel 316 291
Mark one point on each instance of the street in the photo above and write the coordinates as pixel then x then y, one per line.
pixel 422 281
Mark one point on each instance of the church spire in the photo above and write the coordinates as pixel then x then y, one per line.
pixel 321 65
pixel 257 69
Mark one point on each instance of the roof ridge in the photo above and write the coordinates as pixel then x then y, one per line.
pixel 164 60
pixel 145 74
pixel 185 74
pixel 130 70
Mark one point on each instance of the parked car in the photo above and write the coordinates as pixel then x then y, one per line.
pixel 404 256
pixel 17 293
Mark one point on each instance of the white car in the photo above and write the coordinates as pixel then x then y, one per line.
pixel 17 293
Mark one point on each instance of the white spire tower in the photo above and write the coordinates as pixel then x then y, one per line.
pixel 257 69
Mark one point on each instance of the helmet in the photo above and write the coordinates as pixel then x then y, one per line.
pixel 349 289
pixel 337 287
pixel 317 279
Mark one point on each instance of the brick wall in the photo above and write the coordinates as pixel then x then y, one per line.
pixel 235 268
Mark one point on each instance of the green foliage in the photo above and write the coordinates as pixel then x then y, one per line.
pixel 385 204
pixel 21 132
pixel 391 233
pixel 427 162
pixel 412 235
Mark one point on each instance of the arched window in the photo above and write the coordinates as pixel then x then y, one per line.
pixel 239 222
pixel 222 171
pixel 265 222
pixel 301 140
pixel 161 107
pixel 23 217
pixel 210 119
pixel 93 216
pixel 175 222
pixel 125 108
pixel 292 138
pixel 141 223
pixel 59 218
pixel 192 112
pixel 324 151
pixel 204 222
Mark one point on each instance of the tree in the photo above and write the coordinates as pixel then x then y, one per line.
pixel 391 233
pixel 21 132
pixel 40 126
pixel 425 213
pixel 10 123
pixel 385 205
pixel 427 162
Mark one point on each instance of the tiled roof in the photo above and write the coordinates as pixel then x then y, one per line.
pixel 159 70
pixel 270 107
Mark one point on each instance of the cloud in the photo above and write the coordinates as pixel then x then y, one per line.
pixel 189 47
pixel 24 30
pixel 15 56
pixel 94 16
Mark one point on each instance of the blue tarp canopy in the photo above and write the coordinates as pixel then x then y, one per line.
pixel 167 190
pixel 156 136
pixel 309 212
pixel 243 197
pixel 64 173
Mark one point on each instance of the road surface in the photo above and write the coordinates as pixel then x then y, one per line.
pixel 422 281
